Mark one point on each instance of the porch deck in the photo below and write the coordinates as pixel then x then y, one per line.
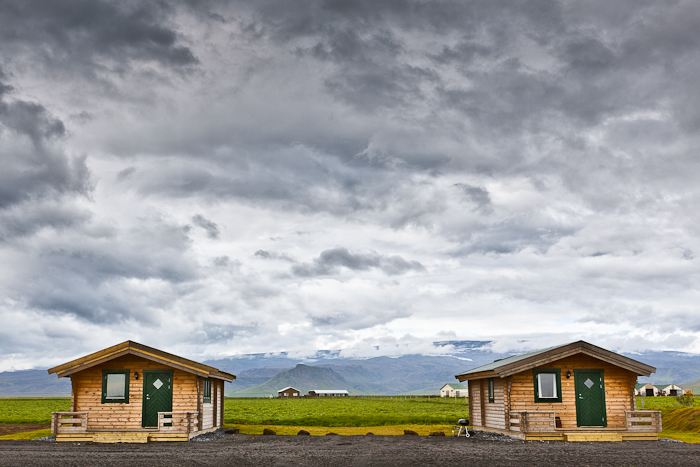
pixel 172 426
pixel 641 425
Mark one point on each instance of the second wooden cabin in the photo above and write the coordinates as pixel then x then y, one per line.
pixel 572 392
pixel 134 393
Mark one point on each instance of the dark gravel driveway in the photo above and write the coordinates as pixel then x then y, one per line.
pixel 338 451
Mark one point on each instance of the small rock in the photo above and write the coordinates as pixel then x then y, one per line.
pixel 437 433
pixel 268 431
pixel 331 434
pixel 232 431
pixel 303 433
pixel 410 432
pixel 369 434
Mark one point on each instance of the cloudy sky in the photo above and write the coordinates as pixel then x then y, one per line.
pixel 216 178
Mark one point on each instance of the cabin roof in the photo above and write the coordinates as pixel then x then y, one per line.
pixel 526 361
pixel 149 353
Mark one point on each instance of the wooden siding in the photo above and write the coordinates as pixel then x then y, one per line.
pixel 495 416
pixel 475 403
pixel 619 385
pixel 87 393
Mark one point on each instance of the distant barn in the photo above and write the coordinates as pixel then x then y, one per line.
pixel 328 393
pixel 134 393
pixel 572 392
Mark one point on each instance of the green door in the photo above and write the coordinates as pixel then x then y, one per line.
pixel 157 395
pixel 590 398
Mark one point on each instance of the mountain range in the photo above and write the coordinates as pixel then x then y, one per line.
pixel 262 374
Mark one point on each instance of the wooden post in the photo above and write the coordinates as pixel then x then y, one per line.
pixel 215 401
pixel 483 402
pixel 200 405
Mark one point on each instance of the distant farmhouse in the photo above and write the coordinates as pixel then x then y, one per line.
pixel 454 390
pixel 572 392
pixel 288 392
pixel 328 393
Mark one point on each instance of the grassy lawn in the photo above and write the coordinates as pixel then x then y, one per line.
pixel 659 403
pixel 28 410
pixel 341 412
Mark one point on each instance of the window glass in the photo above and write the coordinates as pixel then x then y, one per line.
pixel 547 383
pixel 207 390
pixel 115 386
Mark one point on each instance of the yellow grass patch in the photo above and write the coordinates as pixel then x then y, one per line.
pixel 390 430
pixel 28 435
pixel 693 438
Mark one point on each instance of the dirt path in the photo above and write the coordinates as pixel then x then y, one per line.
pixel 10 428
pixel 339 451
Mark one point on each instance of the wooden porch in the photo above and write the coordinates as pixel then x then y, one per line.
pixel 172 426
pixel 641 425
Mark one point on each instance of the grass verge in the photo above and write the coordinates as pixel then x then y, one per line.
pixel 28 434
pixel 387 430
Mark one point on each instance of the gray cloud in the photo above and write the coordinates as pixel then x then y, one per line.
pixel 539 158
pixel 210 227
pixel 81 33
pixel 330 261
pixel 267 254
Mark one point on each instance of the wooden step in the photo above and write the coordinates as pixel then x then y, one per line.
pixel 593 436
pixel 117 437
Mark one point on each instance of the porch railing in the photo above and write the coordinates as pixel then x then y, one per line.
pixel 644 420
pixel 536 421
pixel 179 422
pixel 69 422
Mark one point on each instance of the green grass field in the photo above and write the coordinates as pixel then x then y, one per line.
pixel 659 403
pixel 341 412
pixel 31 410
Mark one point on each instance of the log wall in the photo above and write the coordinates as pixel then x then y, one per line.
pixel 87 395
pixel 494 414
pixel 619 384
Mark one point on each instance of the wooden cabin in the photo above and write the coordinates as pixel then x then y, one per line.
pixel 288 392
pixel 134 393
pixel 572 392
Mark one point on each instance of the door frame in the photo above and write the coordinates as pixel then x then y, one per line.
pixel 143 396
pixel 602 390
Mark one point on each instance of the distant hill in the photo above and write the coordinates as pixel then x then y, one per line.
pixel 404 374
pixel 302 377
pixel 25 383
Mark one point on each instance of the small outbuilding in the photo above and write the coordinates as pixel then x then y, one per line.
pixel 328 393
pixel 571 392
pixel 134 393
pixel 670 389
pixel 647 390
pixel 454 390
pixel 288 392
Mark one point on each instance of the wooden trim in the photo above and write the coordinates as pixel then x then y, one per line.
pixel 215 409
pixel 560 353
pixel 571 350
pixel 200 404
pixel 130 347
pixel 127 381
pixel 223 402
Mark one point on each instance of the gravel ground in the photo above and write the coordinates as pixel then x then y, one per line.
pixel 339 451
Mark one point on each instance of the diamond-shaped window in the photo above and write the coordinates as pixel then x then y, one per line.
pixel 589 384
pixel 158 383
